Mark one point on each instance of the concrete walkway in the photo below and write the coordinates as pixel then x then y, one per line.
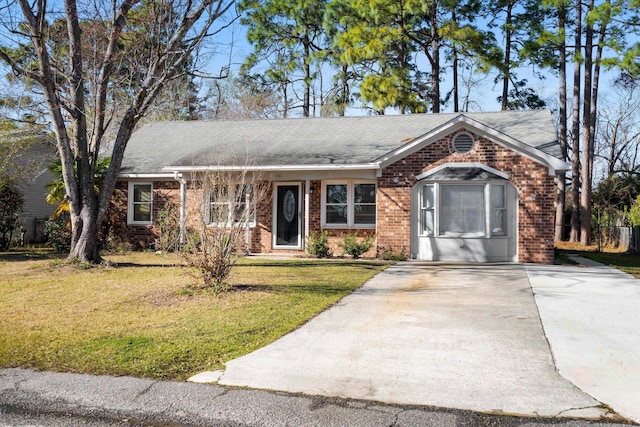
pixel 462 336
pixel 591 316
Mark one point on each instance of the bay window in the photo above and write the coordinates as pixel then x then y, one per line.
pixel 463 209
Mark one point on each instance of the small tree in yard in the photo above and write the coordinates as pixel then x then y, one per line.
pixel 11 202
pixel 220 224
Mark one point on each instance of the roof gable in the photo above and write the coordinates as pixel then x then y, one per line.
pixel 463 122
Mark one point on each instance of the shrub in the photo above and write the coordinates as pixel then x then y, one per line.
pixel 318 244
pixel 388 254
pixel 352 246
pixel 57 233
pixel 169 228
pixel 113 231
pixel 11 202
pixel 217 237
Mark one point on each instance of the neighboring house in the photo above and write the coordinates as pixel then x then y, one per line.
pixel 36 211
pixel 29 166
pixel 452 187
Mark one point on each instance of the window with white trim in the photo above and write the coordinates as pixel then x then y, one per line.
pixel 427 209
pixel 463 209
pixel 226 204
pixel 497 193
pixel 349 204
pixel 140 207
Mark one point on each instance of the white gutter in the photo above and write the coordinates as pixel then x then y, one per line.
pixel 272 168
pixel 145 175
pixel 183 201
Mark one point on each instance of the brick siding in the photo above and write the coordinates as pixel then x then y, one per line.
pixel 534 185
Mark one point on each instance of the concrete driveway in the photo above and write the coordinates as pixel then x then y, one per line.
pixel 464 336
pixel 591 316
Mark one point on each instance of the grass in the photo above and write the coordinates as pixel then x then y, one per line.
pixel 611 257
pixel 141 318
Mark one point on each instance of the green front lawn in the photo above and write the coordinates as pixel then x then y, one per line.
pixel 613 257
pixel 141 317
pixel 624 262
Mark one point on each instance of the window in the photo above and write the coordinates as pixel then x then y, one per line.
pixel 498 210
pixel 427 207
pixel 364 204
pixel 140 203
pixel 349 204
pixel 337 208
pixel 225 204
pixel 461 209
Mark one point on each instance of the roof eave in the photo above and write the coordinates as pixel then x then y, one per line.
pixel 145 175
pixel 273 168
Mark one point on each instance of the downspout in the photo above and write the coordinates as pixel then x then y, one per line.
pixel 307 192
pixel 183 202
pixel 247 231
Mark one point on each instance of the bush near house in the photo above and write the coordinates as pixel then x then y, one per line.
pixel 353 246
pixel 318 244
pixel 11 202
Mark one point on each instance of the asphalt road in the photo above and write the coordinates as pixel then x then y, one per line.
pixel 405 416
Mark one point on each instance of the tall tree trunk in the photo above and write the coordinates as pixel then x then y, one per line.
pixel 435 58
pixel 575 130
pixel 587 202
pixel 84 236
pixel 306 103
pixel 456 97
pixel 562 126
pixel 587 148
pixel 285 100
pixel 506 71
pixel 344 90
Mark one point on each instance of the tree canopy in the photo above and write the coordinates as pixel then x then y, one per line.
pixel 99 66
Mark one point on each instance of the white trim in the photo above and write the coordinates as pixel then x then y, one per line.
pixel 130 204
pixel 183 205
pixel 463 122
pixel 145 175
pixel 307 203
pixel 487 210
pixel 462 165
pixel 350 183
pixel 274 168
pixel 248 195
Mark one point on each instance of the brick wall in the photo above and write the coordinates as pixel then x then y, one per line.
pixel 144 236
pixel 535 190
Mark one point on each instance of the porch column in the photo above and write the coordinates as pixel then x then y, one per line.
pixel 183 202
pixel 307 192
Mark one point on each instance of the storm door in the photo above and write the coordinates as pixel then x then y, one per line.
pixel 287 216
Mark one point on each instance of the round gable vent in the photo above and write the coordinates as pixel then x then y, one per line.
pixel 462 143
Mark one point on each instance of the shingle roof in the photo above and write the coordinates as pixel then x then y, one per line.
pixel 311 141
